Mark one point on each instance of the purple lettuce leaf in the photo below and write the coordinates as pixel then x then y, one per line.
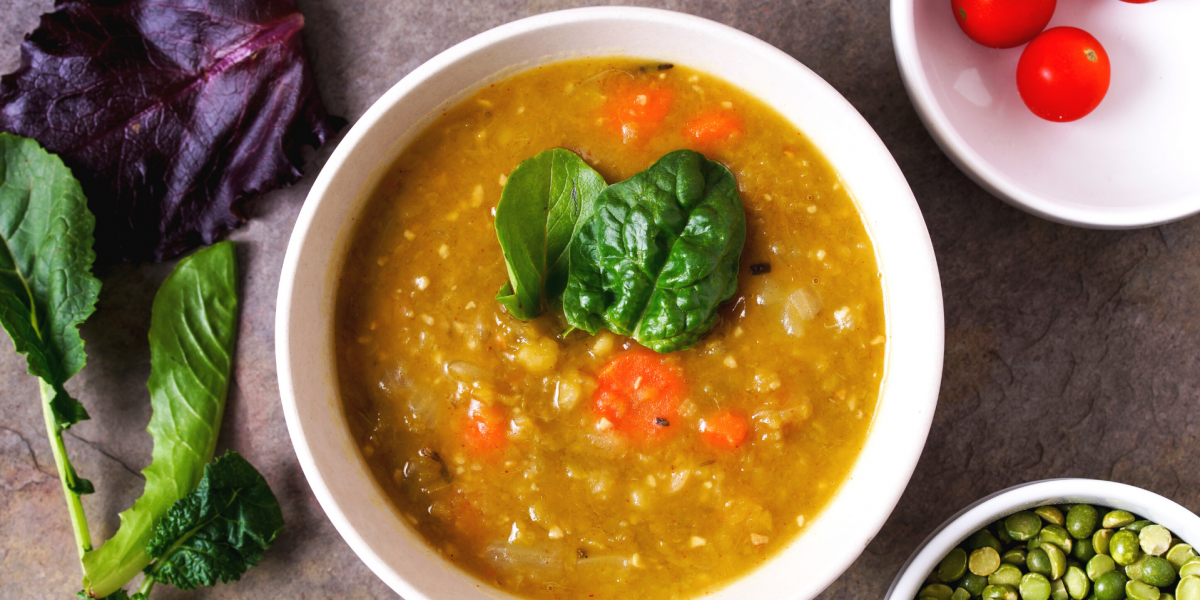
pixel 171 113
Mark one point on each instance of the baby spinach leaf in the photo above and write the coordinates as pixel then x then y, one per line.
pixel 219 530
pixel 171 114
pixel 46 283
pixel 545 201
pixel 659 254
pixel 193 325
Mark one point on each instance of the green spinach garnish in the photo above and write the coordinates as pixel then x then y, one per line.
pixel 651 257
pixel 659 254
pixel 545 201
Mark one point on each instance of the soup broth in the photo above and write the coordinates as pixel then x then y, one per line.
pixel 483 429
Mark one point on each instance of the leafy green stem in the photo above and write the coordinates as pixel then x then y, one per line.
pixel 66 473
pixel 193 325
pixel 147 583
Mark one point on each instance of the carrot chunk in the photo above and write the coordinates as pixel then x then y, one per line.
pixel 724 430
pixel 638 111
pixel 713 127
pixel 484 429
pixel 638 395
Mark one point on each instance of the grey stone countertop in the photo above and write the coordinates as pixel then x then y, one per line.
pixel 1069 352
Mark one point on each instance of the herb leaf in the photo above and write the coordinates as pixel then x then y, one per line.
pixel 193 325
pixel 219 530
pixel 46 284
pixel 47 290
pixel 659 254
pixel 545 201
pixel 170 113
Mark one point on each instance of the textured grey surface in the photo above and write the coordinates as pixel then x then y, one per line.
pixel 1068 352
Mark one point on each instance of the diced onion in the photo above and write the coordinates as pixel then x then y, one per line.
pixel 603 564
pixel 424 409
pixel 467 372
pixel 678 479
pixel 802 305
pixel 506 557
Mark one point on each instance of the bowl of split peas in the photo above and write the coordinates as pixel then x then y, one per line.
pixel 1059 539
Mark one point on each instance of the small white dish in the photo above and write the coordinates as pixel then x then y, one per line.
pixel 1133 162
pixel 912 293
pixel 987 510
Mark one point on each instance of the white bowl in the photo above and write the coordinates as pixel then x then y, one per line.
pixel 1133 162
pixel 913 301
pixel 986 511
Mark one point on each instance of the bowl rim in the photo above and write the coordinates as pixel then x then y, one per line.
pixel 902 208
pixel 979 170
pixel 988 509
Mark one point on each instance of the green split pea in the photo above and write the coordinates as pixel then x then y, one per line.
pixel 1068 552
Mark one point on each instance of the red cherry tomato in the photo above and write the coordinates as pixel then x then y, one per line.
pixel 1138 1
pixel 1002 23
pixel 1063 74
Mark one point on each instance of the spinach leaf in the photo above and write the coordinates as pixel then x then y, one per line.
pixel 219 530
pixel 172 114
pixel 46 284
pixel 193 325
pixel 659 254
pixel 544 202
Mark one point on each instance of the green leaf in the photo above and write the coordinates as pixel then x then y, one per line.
pixel 219 530
pixel 192 331
pixel 659 254
pixel 81 486
pixel 46 283
pixel 544 202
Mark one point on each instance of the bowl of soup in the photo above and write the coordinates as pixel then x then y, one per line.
pixel 464 452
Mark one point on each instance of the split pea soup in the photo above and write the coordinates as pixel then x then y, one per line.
pixel 555 464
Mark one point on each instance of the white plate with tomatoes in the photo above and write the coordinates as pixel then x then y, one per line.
pixel 1118 155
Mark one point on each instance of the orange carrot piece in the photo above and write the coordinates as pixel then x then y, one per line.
pixel 724 430
pixel 637 112
pixel 639 394
pixel 484 429
pixel 712 127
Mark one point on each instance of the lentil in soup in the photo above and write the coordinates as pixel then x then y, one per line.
pixel 507 445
